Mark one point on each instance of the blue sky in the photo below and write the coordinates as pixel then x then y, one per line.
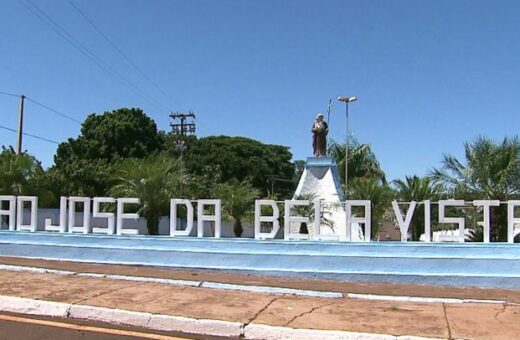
pixel 429 75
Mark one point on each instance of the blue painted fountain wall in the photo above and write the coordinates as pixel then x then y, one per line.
pixel 446 264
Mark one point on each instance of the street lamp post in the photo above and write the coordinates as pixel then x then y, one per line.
pixel 346 100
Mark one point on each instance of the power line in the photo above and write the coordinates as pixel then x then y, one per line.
pixel 44 106
pixel 30 135
pixel 45 18
pixel 107 39
pixel 9 94
pixel 53 110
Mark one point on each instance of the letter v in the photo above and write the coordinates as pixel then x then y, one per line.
pixel 404 225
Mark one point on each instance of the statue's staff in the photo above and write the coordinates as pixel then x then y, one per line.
pixel 329 109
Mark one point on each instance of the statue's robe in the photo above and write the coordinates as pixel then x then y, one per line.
pixel 319 138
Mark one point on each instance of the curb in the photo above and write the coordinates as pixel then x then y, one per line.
pixel 174 282
pixel 419 299
pixel 30 306
pixel 169 323
pixel 248 288
pixel 254 331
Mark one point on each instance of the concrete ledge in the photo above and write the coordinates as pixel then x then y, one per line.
pixel 172 323
pixel 190 283
pixel 419 299
pixel 152 279
pixel 254 331
pixel 156 321
pixel 271 290
pixel 20 305
pixel 196 326
pixel 109 315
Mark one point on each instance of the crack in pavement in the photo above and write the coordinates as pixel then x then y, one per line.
pixel 310 311
pixel 106 292
pixel 262 310
pixel 501 311
pixel 447 322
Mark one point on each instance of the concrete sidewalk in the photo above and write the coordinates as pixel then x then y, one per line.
pixel 434 320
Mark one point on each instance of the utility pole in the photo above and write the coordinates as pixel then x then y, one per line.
pixel 181 127
pixel 346 100
pixel 20 126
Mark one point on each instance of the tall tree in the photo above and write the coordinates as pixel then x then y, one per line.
pixel 491 171
pixel 243 159
pixel 86 161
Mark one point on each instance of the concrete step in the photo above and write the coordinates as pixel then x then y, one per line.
pixel 237 245
pixel 491 265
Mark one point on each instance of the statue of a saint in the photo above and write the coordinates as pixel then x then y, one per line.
pixel 320 129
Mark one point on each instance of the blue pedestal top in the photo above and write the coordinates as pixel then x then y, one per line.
pixel 320 162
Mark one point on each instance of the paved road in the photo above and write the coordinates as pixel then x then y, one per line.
pixel 13 327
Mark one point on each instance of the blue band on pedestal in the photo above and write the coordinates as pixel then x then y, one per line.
pixel 320 161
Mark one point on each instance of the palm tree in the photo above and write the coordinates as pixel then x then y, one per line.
pixel 310 212
pixel 380 195
pixel 362 161
pixel 154 181
pixel 415 188
pixel 238 199
pixel 492 171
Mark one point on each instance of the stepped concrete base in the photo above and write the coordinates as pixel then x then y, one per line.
pixel 461 265
pixel 320 180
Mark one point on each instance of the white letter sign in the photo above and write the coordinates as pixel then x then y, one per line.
pixel 62 227
pixel 259 218
pixel 427 221
pixel 111 225
pixel 85 229
pixel 10 212
pixel 457 220
pixel 201 218
pixel 404 224
pixel 19 213
pixel 173 217
pixel 121 215
pixel 512 220
pixel 288 219
pixel 485 204
pixel 366 220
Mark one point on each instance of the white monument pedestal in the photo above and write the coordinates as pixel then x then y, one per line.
pixel 320 180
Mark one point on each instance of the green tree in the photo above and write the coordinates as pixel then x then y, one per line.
pixel 86 162
pixel 299 167
pixel 17 172
pixel 491 171
pixel 22 174
pixel 362 162
pixel 380 195
pixel 414 188
pixel 238 200
pixel 243 159
pixel 154 180
pixel 206 184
